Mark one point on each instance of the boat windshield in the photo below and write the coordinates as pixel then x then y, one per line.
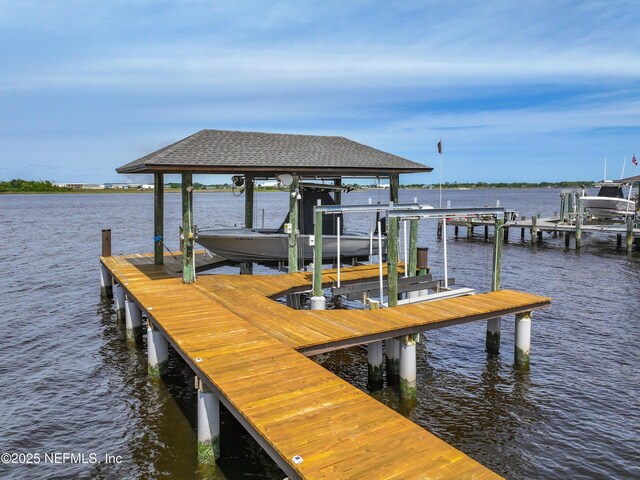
pixel 611 191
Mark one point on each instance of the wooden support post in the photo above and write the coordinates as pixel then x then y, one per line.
pixel 394 188
pixel 158 218
pixel 439 229
pixel 413 247
pixel 563 207
pixel 248 201
pixel 293 220
pixel 619 240
pixel 522 340
pixel 392 261
pixel 578 232
pixel 133 320
pixel 423 261
pixel 522 233
pixel 492 341
pixel 188 252
pixel 567 239
pixel 338 193
pixel 317 301
pixel 486 232
pixel 106 280
pixel 106 242
pixel 469 230
pixel 408 388
pixel 157 351
pixel 534 229
pixel 455 231
pixel 629 235
pixel 375 358
pixel 506 234
pixel 208 425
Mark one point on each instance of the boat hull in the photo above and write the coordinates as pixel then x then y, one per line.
pixel 608 207
pixel 259 245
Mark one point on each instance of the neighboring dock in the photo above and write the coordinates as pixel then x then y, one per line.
pixel 242 347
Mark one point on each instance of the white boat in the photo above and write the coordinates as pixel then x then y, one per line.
pixel 266 245
pixel 245 244
pixel 610 202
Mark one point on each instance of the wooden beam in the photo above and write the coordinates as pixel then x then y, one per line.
pixel 188 263
pixel 158 217
pixel 413 247
pixel 394 188
pixel 497 254
pixel 392 261
pixel 248 201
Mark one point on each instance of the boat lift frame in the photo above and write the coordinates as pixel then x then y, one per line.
pixel 413 212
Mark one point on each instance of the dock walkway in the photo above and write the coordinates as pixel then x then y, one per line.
pixel 243 345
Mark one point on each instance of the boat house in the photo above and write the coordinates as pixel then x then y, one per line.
pixel 253 156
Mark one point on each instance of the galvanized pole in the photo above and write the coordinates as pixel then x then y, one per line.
pixel 317 260
pixel 293 221
pixel 158 218
pixel 188 263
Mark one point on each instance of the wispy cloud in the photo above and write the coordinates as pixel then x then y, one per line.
pixel 494 73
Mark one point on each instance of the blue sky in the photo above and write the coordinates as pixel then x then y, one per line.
pixel 518 91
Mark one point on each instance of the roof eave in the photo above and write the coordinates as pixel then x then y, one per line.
pixel 142 168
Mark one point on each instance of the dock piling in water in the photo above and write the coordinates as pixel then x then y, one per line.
pixel 492 340
pixel 208 425
pixel 522 340
pixel 157 351
pixel 119 294
pixel 375 357
pixel 106 283
pixel 392 351
pixel 407 372
pixel 133 319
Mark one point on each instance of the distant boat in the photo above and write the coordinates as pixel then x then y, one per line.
pixel 610 202
pixel 253 244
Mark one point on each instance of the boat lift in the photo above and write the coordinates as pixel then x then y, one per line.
pixel 406 212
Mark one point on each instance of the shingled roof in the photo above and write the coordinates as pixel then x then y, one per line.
pixel 220 151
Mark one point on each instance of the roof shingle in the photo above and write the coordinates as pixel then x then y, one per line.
pixel 220 151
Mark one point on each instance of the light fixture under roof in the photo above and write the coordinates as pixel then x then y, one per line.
pixel 285 178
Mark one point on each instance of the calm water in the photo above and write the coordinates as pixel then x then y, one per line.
pixel 71 384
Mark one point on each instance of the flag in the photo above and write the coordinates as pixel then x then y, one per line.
pixel 440 146
pixel 633 160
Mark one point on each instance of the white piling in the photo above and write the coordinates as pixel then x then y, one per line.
pixel 119 294
pixel 157 351
pixel 318 303
pixel 407 367
pixel 523 340
pixel 208 425
pixel 106 282
pixel 133 319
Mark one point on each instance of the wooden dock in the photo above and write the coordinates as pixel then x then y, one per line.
pixel 250 352
pixel 534 227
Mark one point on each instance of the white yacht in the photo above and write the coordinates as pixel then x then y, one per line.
pixel 610 202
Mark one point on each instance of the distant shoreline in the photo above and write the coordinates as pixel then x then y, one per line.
pixel 111 191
